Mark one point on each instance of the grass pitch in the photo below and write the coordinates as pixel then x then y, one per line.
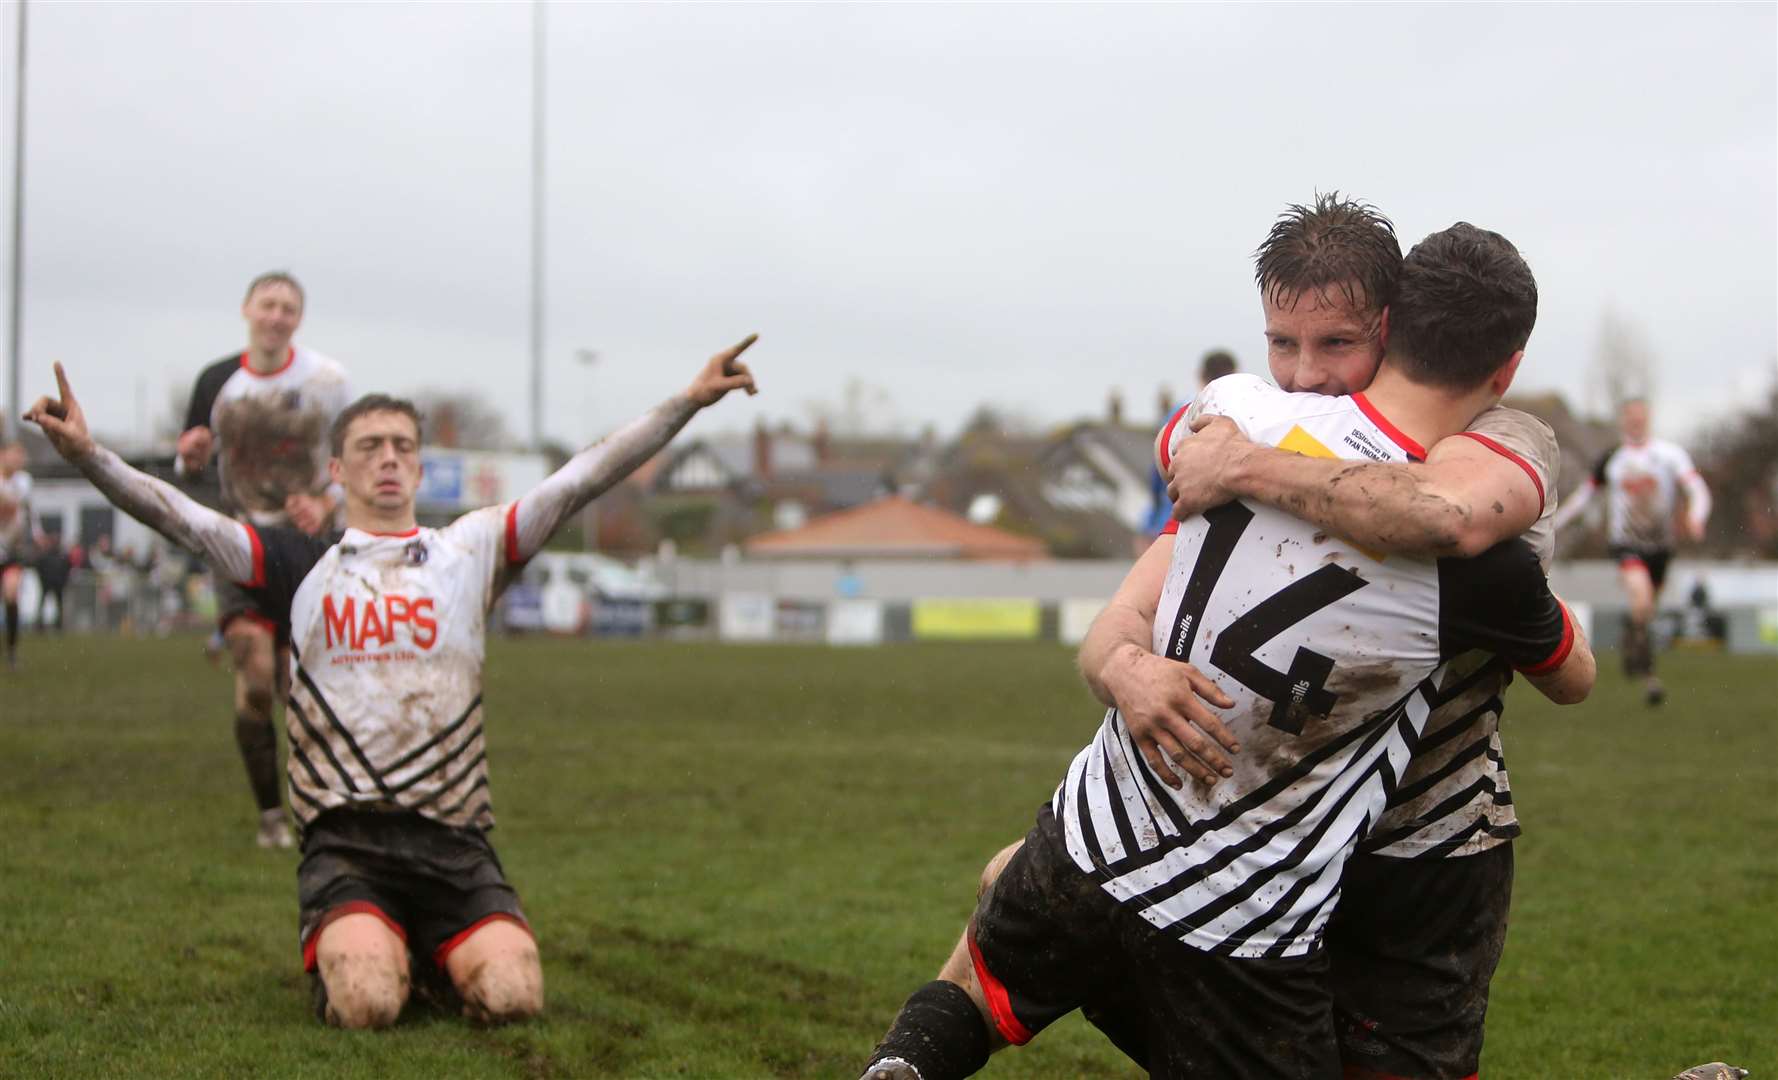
pixel 740 860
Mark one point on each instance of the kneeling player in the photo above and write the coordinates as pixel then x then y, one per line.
pixel 387 769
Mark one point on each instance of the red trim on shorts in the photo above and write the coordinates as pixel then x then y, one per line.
pixel 350 907
pixel 1632 560
pixel 258 579
pixel 440 954
pixel 1515 459
pixel 512 533
pixel 1554 660
pixel 999 1003
pixel 1413 448
pixel 253 617
pixel 1167 436
pixel 279 370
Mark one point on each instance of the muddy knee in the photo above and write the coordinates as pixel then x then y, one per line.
pixel 363 967
pixel 504 990
pixel 363 992
pixel 997 865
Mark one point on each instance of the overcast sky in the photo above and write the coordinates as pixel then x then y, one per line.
pixel 1023 205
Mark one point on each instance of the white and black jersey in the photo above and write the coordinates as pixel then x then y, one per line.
pixel 1455 798
pixel 1641 483
pixel 1333 656
pixel 387 635
pixel 15 516
pixel 271 429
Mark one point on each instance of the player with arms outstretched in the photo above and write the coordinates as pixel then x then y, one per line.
pixel 387 767
pixel 263 415
pixel 1642 478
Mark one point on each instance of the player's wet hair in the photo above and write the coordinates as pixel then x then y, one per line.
pixel 1338 247
pixel 276 277
pixel 1465 302
pixel 1216 364
pixel 371 403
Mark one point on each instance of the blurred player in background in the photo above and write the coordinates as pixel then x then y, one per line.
pixel 388 623
pixel 1216 364
pixel 15 538
pixel 262 416
pixel 1642 478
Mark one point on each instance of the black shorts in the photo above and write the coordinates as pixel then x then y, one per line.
pixel 432 884
pixel 234 602
pixel 1414 943
pixel 1046 939
pixel 1654 559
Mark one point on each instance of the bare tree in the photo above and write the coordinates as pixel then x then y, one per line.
pixel 1623 363
pixel 462 421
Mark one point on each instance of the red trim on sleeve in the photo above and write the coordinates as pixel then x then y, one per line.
pixel 1554 660
pixel 1414 449
pixel 257 581
pixel 1172 529
pixel 289 358
pixel 1166 455
pixel 1515 459
pixel 512 533
pixel 445 950
pixel 999 1002
pixel 350 907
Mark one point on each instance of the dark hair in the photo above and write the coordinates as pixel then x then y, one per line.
pixel 1465 302
pixel 276 277
pixel 1339 244
pixel 370 403
pixel 1216 364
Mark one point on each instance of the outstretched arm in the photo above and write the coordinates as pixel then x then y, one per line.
pixel 225 543
pixel 1466 498
pixel 1573 505
pixel 535 517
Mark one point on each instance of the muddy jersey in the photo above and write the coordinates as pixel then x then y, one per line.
pixel 1455 798
pixel 1334 657
pixel 387 636
pixel 15 491
pixel 1641 484
pixel 271 429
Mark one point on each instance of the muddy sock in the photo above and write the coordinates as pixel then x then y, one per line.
pixel 939 1032
pixel 259 752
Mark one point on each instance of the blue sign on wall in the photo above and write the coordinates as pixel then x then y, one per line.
pixel 441 478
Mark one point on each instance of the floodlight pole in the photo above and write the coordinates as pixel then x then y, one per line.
pixel 537 192
pixel 14 405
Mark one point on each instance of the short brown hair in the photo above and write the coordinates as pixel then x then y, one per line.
pixel 1466 301
pixel 371 403
pixel 276 277
pixel 1339 245
pixel 1216 364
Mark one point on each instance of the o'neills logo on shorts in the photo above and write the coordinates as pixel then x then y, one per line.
pixel 373 624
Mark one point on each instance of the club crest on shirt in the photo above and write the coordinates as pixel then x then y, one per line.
pixel 415 552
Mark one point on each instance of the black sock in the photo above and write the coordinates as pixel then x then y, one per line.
pixel 12 628
pixel 259 751
pixel 1638 655
pixel 939 1032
